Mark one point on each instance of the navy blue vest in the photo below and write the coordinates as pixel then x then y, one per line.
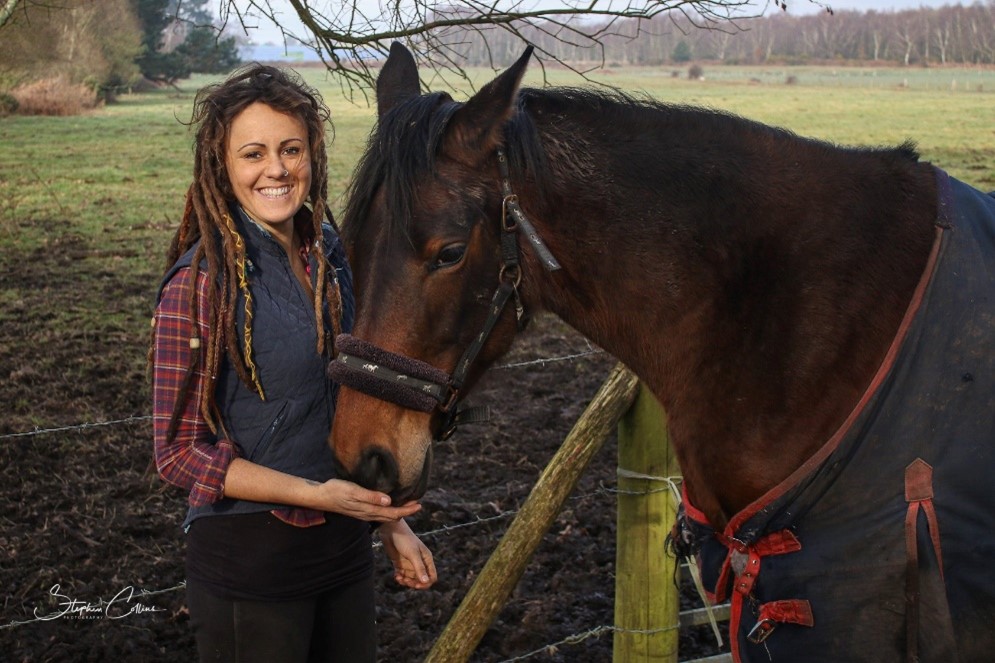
pixel 289 430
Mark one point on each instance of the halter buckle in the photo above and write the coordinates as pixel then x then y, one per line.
pixel 509 200
pixel 450 402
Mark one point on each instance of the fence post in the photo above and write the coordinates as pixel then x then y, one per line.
pixel 646 600
pixel 506 564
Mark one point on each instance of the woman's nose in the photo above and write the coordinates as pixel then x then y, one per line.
pixel 276 168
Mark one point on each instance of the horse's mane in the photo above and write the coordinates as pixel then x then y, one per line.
pixel 403 147
pixel 400 151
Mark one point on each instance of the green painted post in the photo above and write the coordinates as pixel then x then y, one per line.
pixel 646 600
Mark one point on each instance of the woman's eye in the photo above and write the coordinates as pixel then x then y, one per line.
pixel 292 150
pixel 450 255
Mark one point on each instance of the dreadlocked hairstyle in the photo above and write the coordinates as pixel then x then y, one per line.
pixel 206 219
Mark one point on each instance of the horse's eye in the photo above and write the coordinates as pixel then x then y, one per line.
pixel 449 256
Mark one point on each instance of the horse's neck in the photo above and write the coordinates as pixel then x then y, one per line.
pixel 757 319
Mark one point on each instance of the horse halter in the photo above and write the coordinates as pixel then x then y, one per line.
pixel 417 385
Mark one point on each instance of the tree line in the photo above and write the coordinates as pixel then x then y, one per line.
pixel 109 45
pixel 953 34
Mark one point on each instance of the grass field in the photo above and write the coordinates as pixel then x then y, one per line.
pixel 106 188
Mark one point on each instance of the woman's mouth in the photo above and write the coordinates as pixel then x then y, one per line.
pixel 274 192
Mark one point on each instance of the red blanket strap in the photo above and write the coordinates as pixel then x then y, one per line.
pixel 748 557
pixel 919 495
pixel 744 561
pixel 794 611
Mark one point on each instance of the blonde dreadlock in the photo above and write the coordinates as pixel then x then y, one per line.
pixel 207 223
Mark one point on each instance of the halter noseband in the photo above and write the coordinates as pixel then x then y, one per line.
pixel 416 385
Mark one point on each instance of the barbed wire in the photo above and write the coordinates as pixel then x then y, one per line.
pixel 595 632
pixel 550 360
pixel 78 427
pixel 446 529
pixel 75 427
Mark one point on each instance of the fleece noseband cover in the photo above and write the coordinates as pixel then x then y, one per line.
pixel 390 377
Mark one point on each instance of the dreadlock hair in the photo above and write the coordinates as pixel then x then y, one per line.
pixel 206 219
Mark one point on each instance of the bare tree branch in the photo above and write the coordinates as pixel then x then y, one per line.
pixel 349 41
pixel 7 10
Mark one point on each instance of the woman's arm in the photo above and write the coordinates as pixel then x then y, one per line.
pixel 249 481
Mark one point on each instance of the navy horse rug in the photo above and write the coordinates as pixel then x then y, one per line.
pixel 881 548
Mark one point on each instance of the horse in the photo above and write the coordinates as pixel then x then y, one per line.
pixel 816 321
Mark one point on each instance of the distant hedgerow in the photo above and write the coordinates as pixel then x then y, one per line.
pixel 54 96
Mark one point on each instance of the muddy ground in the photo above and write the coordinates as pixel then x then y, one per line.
pixel 84 521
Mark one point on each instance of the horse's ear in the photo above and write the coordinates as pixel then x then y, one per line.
pixel 475 129
pixel 398 79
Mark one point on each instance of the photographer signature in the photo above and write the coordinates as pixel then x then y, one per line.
pixel 123 604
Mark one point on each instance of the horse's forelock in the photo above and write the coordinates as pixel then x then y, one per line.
pixel 400 153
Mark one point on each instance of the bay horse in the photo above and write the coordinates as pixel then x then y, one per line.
pixel 816 320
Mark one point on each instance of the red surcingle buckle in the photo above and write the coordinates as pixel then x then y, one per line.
pixel 794 611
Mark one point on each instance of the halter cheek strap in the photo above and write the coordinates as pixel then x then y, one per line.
pixel 512 208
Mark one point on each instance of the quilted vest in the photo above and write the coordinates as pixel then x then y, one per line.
pixel 288 430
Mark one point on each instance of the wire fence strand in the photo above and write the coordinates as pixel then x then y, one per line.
pixel 134 419
pixel 76 427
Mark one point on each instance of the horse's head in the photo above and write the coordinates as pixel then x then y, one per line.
pixel 423 229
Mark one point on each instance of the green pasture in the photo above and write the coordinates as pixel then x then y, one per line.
pixel 97 196
pixel 120 172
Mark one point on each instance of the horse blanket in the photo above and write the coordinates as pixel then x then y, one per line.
pixel 881 548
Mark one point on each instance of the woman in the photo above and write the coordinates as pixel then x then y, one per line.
pixel 279 557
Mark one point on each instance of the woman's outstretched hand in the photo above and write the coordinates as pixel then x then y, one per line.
pixel 413 564
pixel 353 500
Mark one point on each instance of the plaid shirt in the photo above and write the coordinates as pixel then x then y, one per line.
pixel 194 460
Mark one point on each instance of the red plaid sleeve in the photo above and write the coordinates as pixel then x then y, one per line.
pixel 193 460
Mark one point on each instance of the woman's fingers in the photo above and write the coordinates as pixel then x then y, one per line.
pixel 353 500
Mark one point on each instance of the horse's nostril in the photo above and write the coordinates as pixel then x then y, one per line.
pixel 377 470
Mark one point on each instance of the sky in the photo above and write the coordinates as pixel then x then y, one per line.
pixel 268 33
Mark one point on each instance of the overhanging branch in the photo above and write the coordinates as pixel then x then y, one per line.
pixel 350 42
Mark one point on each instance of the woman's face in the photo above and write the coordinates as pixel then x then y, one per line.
pixel 269 164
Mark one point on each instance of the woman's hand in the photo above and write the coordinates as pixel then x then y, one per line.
pixel 353 500
pixel 413 564
pixel 248 481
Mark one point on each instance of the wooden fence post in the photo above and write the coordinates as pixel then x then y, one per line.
pixel 506 564
pixel 646 600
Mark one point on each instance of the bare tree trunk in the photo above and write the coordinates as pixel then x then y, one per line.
pixel 942 42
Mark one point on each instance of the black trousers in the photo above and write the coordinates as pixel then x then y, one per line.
pixel 336 627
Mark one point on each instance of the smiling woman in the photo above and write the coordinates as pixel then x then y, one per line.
pixel 279 557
